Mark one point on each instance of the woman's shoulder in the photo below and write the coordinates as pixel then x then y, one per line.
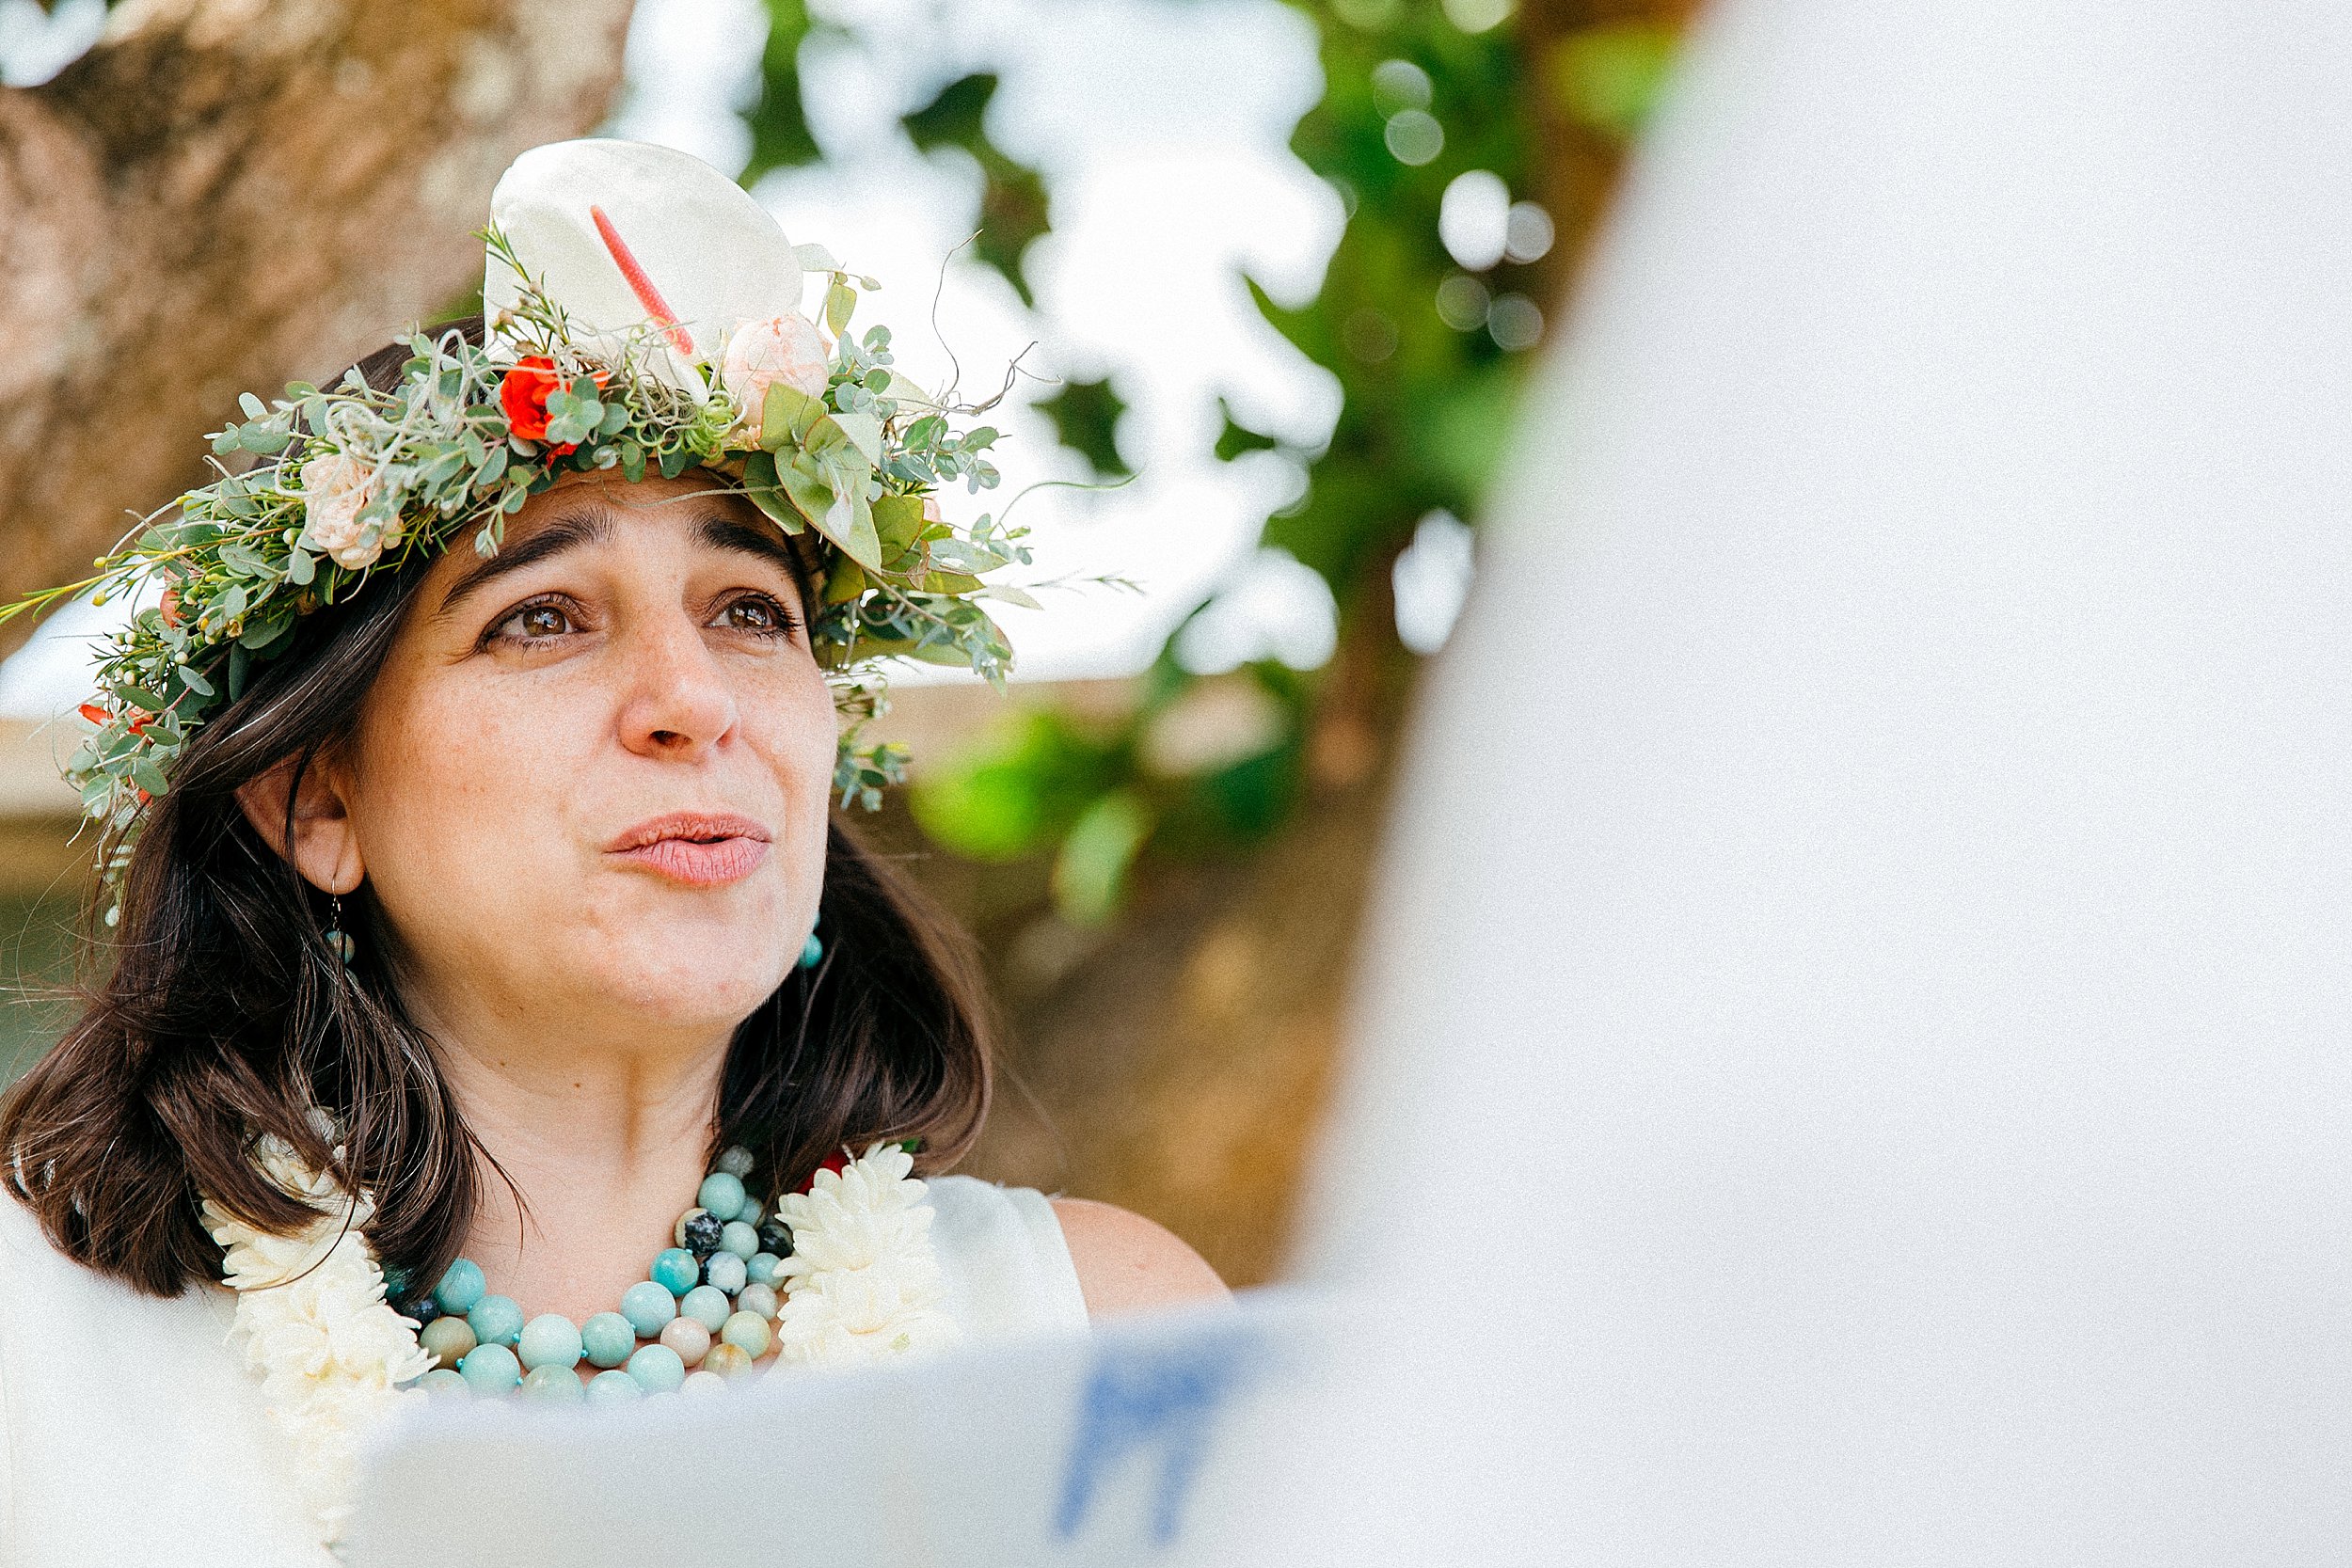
pixel 1127 1263
pixel 1059 1261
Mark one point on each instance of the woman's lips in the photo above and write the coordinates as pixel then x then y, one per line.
pixel 692 847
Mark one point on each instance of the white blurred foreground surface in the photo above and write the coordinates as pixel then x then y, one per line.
pixel 1141 1445
pixel 1870 1079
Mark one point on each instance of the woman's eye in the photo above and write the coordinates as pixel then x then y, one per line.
pixel 756 615
pixel 535 622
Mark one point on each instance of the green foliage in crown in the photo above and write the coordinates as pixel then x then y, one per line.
pixel 342 483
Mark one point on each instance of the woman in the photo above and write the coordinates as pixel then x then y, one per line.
pixel 495 1007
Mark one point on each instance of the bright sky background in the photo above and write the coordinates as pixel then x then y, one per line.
pixel 1161 129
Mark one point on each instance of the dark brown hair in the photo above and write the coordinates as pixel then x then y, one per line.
pixel 226 1015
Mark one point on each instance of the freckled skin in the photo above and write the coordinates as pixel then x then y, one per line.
pixel 515 732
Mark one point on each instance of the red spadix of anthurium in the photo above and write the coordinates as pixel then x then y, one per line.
pixel 640 284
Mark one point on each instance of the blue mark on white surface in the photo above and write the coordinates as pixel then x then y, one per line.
pixel 1155 1400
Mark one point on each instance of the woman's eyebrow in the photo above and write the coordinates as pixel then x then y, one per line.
pixel 725 534
pixel 569 531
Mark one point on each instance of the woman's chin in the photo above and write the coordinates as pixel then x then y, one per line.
pixel 688 983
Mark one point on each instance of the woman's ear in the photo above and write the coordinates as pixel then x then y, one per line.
pixel 325 848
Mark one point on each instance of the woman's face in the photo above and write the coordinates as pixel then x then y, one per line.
pixel 593 775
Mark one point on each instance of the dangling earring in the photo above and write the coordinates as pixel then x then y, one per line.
pixel 812 950
pixel 338 939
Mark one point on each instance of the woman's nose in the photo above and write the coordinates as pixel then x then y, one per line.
pixel 679 701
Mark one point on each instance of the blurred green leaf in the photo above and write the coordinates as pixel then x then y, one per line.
pixel 780 134
pixel 1012 197
pixel 1012 792
pixel 1610 77
pixel 1090 873
pixel 1085 418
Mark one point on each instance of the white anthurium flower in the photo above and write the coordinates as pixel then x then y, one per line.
pixel 621 233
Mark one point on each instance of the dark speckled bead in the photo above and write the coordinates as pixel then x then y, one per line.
pixel 776 1237
pixel 424 1310
pixel 702 1234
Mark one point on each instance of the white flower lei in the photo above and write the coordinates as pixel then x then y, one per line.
pixel 335 1357
pixel 332 1353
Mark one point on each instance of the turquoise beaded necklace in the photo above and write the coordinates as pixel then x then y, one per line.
pixel 704 1314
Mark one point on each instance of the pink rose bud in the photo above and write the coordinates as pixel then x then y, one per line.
pixel 334 489
pixel 761 354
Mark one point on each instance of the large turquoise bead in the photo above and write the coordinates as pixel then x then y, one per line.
pixel 491 1368
pixel 460 1287
pixel 749 1332
pixel 607 1337
pixel 445 1383
pixel 707 1305
pixel 740 1239
pixel 496 1320
pixel 677 1269
pixel 812 950
pixel 722 1193
pixel 550 1339
pixel 614 1387
pixel 553 1386
pixel 656 1368
pixel 648 1305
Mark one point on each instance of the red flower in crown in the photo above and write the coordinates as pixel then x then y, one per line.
pixel 524 395
pixel 140 717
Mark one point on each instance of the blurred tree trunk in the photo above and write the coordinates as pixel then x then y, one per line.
pixel 1180 1065
pixel 223 195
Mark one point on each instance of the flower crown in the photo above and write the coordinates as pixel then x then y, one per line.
pixel 826 439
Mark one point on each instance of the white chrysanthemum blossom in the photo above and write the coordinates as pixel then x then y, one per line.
pixel 333 1355
pixel 865 1283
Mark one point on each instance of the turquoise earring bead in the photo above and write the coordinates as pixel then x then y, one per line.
pixel 460 1287
pixel 648 1305
pixel 722 1194
pixel 496 1320
pixel 614 1387
pixel 607 1338
pixel 676 1270
pixel 812 950
pixel 491 1369
pixel 551 1341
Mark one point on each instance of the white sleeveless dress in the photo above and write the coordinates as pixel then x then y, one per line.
pixel 131 1435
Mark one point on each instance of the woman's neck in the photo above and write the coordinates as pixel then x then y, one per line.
pixel 604 1148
